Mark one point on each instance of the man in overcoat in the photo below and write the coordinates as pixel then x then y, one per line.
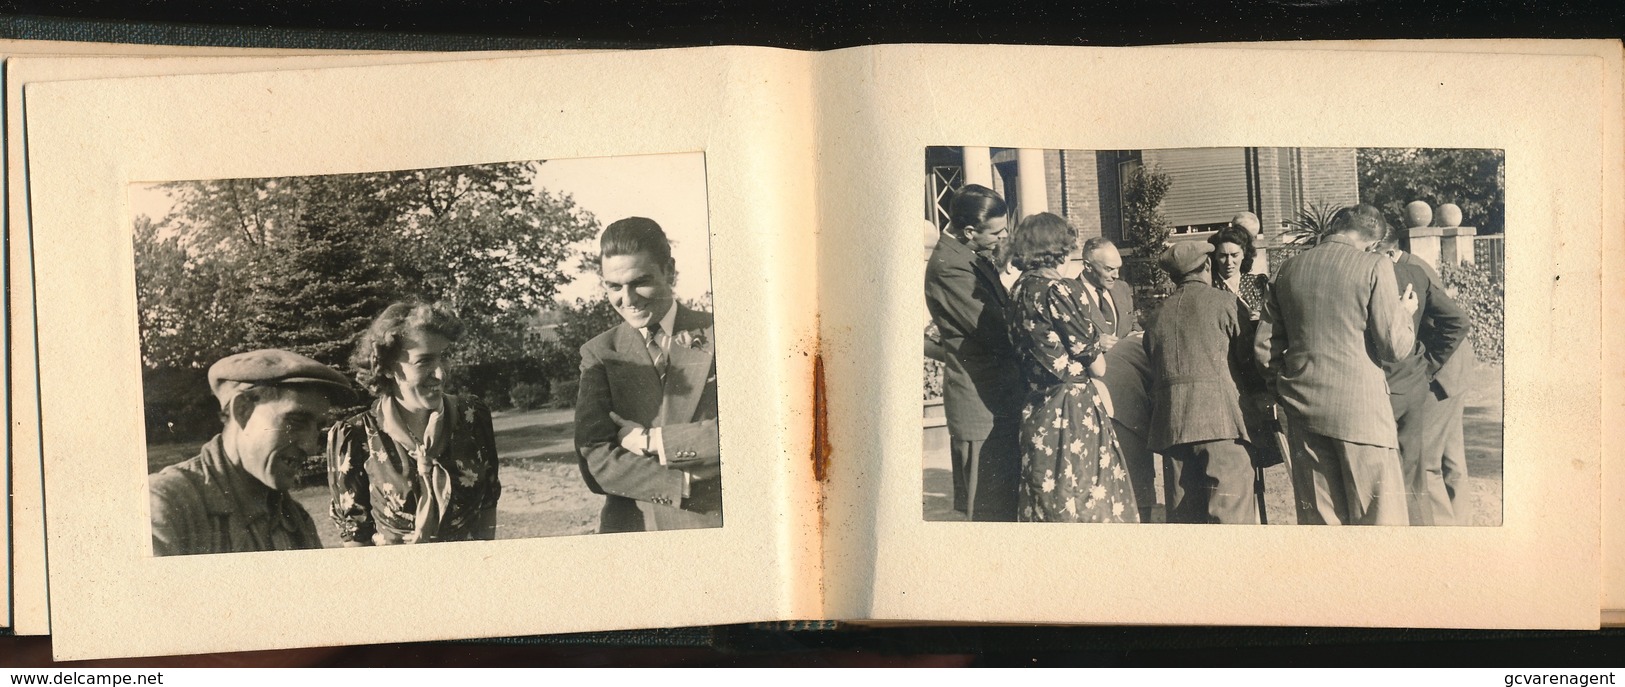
pixel 1196 346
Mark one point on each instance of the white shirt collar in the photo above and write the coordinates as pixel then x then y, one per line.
pixel 667 321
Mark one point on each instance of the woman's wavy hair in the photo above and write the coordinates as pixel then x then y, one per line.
pixel 1042 240
pixel 380 346
pixel 1240 237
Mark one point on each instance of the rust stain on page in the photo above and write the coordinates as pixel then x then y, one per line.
pixel 821 446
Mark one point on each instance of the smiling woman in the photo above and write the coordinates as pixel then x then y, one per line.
pixel 419 465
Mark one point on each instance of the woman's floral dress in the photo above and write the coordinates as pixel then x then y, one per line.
pixel 1071 467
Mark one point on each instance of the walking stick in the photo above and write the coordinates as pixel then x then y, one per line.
pixel 1258 492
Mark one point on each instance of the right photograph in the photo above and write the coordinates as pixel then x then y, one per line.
pixel 1259 336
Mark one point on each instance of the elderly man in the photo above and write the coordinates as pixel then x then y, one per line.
pixel 1337 316
pixel 1195 347
pixel 646 410
pixel 233 496
pixel 1111 301
pixel 1411 380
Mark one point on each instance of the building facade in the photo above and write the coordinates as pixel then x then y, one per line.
pixel 1209 185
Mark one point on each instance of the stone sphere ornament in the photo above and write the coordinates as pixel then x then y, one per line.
pixel 1449 215
pixel 1418 214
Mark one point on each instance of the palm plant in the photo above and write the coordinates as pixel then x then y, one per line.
pixel 1311 223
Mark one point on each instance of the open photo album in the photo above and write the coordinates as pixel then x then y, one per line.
pixel 532 344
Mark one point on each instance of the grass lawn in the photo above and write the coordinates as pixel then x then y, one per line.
pixel 1482 424
pixel 542 491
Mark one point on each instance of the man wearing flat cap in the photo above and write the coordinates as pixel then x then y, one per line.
pixel 1196 347
pixel 233 496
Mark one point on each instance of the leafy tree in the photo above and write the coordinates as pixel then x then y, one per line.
pixel 1473 179
pixel 574 325
pixel 190 309
pixel 310 259
pixel 1145 229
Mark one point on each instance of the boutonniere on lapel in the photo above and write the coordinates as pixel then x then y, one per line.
pixel 693 338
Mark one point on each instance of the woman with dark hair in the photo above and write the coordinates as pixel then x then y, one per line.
pixel 1233 254
pixel 420 464
pixel 1071 467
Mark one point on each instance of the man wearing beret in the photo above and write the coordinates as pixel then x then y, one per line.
pixel 233 496
pixel 1195 347
pixel 1338 316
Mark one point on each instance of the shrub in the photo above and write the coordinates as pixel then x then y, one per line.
pixel 528 396
pixel 933 379
pixel 564 392
pixel 1482 293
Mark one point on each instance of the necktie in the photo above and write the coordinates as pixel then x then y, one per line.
pixel 1107 308
pixel 657 353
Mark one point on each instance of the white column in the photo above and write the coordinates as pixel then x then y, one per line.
pixel 978 166
pixel 1031 186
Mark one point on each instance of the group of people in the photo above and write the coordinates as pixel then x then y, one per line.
pixel 1058 397
pixel 419 464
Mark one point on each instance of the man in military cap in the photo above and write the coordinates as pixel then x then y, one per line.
pixel 233 496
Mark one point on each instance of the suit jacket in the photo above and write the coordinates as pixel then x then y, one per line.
pixel 1336 317
pixel 617 376
pixel 1196 347
pixel 1126 388
pixel 1439 322
pixel 982 380
pixel 1122 298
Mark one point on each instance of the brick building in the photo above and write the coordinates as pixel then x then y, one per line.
pixel 1209 185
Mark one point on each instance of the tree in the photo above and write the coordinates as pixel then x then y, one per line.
pixel 1473 179
pixel 307 261
pixel 1145 229
pixel 190 310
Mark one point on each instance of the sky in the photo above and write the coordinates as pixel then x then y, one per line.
pixel 668 188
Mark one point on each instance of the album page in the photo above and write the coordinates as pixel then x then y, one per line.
pixel 28 595
pixel 526 166
pixel 1062 131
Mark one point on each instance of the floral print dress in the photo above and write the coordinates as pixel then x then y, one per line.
pixel 1071 467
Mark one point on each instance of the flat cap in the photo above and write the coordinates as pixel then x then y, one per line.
pixel 1184 256
pixel 235 374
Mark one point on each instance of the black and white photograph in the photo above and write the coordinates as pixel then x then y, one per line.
pixel 1237 335
pixel 508 350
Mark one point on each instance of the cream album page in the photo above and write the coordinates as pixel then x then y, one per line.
pixel 30 614
pixel 711 166
pixel 1065 131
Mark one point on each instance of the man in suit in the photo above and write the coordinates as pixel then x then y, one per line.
pixel 1111 301
pixel 982 386
pixel 1410 380
pixel 1195 348
pixel 1337 315
pixel 646 411
pixel 1446 444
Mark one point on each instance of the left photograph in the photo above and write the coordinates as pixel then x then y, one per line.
pixel 498 351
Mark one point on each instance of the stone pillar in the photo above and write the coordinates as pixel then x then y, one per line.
pixel 1425 243
pixel 1462 237
pixel 978 165
pixel 1031 187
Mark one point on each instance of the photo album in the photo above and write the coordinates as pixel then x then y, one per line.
pixel 513 344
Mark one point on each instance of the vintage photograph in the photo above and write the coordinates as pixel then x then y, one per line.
pixel 494 351
pixel 1214 335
